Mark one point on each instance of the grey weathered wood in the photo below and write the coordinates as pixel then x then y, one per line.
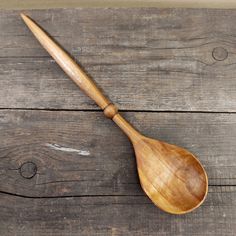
pixel 144 59
pixel 109 169
pixel 57 176
pixel 116 216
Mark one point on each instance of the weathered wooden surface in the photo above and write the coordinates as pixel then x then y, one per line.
pixel 146 59
pixel 116 216
pixel 75 153
pixel 57 176
pixel 82 165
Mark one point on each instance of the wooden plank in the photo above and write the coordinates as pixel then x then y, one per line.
pixel 144 59
pixel 75 155
pixel 116 216
pixel 45 4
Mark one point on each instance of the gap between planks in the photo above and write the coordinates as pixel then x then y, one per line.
pixel 120 110
pixel 104 195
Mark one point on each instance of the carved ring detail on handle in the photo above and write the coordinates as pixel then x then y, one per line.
pixel 110 110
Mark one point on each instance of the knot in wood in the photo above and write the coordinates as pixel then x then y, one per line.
pixel 219 53
pixel 28 170
pixel 110 110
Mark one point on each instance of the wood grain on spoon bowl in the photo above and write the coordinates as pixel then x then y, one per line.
pixel 171 176
pixel 177 182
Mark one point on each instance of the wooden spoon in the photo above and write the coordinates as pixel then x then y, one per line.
pixel 171 176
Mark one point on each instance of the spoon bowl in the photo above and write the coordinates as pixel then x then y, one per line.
pixel 171 176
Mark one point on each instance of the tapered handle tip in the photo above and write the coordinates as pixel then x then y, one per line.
pixel 26 19
pixel 23 16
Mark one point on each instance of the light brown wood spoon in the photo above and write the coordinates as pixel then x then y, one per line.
pixel 171 176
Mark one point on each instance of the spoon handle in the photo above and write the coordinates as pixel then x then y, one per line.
pixel 71 68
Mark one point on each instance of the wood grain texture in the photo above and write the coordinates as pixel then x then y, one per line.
pixel 144 59
pixel 116 216
pixel 172 177
pixel 47 138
